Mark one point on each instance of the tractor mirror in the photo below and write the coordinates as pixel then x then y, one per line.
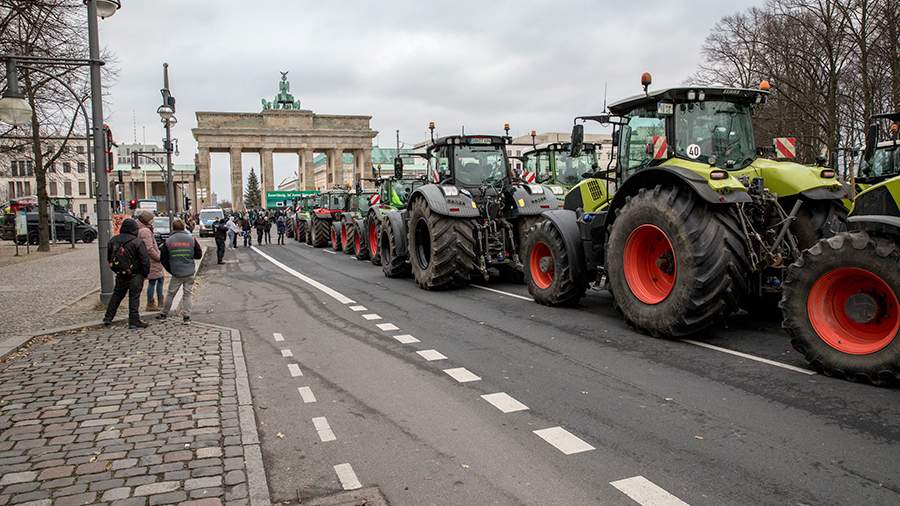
pixel 398 168
pixel 871 138
pixel 821 161
pixel 615 137
pixel 577 140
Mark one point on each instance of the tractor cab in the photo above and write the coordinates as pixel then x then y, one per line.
pixel 881 158
pixel 555 166
pixel 469 161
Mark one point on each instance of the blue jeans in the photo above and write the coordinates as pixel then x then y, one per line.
pixel 158 285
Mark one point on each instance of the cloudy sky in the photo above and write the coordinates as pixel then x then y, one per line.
pixel 473 63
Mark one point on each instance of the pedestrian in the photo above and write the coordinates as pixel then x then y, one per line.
pixel 127 257
pixel 245 232
pixel 260 223
pixel 189 223
pixel 155 279
pixel 233 231
pixel 281 226
pixel 220 231
pixel 177 256
pixel 267 229
pixel 87 220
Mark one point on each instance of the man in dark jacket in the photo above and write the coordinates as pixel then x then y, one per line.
pixel 177 256
pixel 128 258
pixel 220 232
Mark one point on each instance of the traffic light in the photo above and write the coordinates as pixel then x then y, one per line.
pixel 110 161
pixel 132 204
pixel 187 203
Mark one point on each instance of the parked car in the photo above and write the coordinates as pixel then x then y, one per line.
pixel 208 219
pixel 63 221
pixel 161 230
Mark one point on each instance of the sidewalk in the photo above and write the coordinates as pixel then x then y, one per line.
pixel 106 415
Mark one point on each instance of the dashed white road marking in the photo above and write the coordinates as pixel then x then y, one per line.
pixel 749 357
pixel 278 337
pixel 306 394
pixel 504 402
pixel 331 292
pixel 430 355
pixel 324 430
pixel 287 353
pixel 348 478
pixel 646 493
pixel 521 297
pixel 357 308
pixel 329 251
pixel 406 339
pixel 462 375
pixel 371 316
pixel 563 440
pixel 387 326
pixel 295 370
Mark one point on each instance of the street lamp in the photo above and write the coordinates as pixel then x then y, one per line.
pixel 14 109
pixel 166 113
pixel 106 8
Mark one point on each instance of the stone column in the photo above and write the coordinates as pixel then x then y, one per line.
pixel 237 188
pixel 203 168
pixel 267 171
pixel 365 162
pixel 335 167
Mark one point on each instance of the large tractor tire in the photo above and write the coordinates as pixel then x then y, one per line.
pixel 392 264
pixel 549 272
pixel 319 232
pixel 676 264
pixel 818 219
pixel 360 248
pixel 348 234
pixel 373 224
pixel 441 249
pixel 336 233
pixel 300 235
pixel 841 309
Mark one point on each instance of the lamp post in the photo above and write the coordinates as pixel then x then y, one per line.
pixel 167 115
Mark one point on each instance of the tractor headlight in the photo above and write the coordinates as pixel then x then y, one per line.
pixel 557 190
pixel 450 191
pixel 535 189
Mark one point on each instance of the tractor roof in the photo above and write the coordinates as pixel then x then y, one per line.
pixel 470 140
pixel 561 146
pixel 624 106
pixel 893 116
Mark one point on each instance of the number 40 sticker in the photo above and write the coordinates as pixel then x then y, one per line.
pixel 693 151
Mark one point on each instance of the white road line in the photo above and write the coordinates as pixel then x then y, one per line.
pixel 348 478
pixel 504 402
pixel 462 375
pixel 646 493
pixel 522 297
pixel 306 394
pixel 329 251
pixel 336 295
pixel 430 355
pixel 749 357
pixel 563 440
pixel 357 308
pixel 278 337
pixel 295 370
pixel 324 430
pixel 371 316
pixel 387 326
pixel 287 353
pixel 406 339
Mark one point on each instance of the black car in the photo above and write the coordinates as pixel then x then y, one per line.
pixel 64 224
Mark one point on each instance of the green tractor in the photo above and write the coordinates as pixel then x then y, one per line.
pixel 470 217
pixel 699 225
pixel 392 195
pixel 840 301
pixel 554 166
pixel 303 207
pixel 345 234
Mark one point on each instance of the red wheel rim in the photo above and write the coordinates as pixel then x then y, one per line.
pixel 542 278
pixel 357 245
pixel 343 237
pixel 854 311
pixel 649 264
pixel 333 239
pixel 373 239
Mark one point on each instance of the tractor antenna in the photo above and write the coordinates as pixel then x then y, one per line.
pixel 431 129
pixel 605 83
pixel 464 129
pixel 398 142
pixel 533 135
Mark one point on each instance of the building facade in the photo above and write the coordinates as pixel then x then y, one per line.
pixel 147 181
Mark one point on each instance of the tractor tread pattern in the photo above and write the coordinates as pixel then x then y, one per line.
pixel 392 265
pixel 321 233
pixel 453 256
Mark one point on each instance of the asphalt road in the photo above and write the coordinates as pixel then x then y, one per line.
pixel 592 412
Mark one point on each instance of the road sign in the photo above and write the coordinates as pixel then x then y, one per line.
pixel 785 147
pixel 284 198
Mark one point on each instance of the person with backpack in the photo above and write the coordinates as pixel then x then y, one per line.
pixel 177 256
pixel 281 226
pixel 128 258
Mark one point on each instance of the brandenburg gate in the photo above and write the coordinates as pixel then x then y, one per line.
pixel 282 127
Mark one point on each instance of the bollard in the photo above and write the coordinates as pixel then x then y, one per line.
pixel 72 227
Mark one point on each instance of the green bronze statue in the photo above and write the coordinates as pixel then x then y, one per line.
pixel 283 100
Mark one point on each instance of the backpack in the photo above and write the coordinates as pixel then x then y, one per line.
pixel 122 261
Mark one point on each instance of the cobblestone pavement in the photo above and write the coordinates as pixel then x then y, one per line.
pixel 31 291
pixel 111 416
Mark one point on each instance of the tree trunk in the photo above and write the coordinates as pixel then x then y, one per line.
pixel 40 172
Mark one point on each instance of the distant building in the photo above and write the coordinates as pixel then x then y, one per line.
pixel 382 165
pixel 148 182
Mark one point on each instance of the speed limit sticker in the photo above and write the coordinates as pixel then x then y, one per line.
pixel 693 151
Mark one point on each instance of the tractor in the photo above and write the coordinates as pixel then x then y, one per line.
pixel 840 300
pixel 699 225
pixel 345 235
pixel 393 194
pixel 470 217
pixel 329 205
pixel 554 166
pixel 303 206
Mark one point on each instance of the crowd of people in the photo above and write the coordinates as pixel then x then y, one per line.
pixel 228 229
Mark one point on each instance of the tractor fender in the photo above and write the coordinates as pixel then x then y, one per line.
pixel 397 222
pixel 456 206
pixel 532 200
pixel 668 175
pixel 838 193
pixel 870 219
pixel 566 222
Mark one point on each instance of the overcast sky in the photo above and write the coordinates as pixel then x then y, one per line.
pixel 478 64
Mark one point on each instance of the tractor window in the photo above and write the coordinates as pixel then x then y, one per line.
pixel 403 189
pixel 884 162
pixel 637 135
pixel 439 164
pixel 530 163
pixel 477 165
pixel 569 170
pixel 542 166
pixel 715 128
pixel 338 202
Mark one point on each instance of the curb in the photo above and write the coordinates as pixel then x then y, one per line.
pixel 78 299
pixel 13 344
